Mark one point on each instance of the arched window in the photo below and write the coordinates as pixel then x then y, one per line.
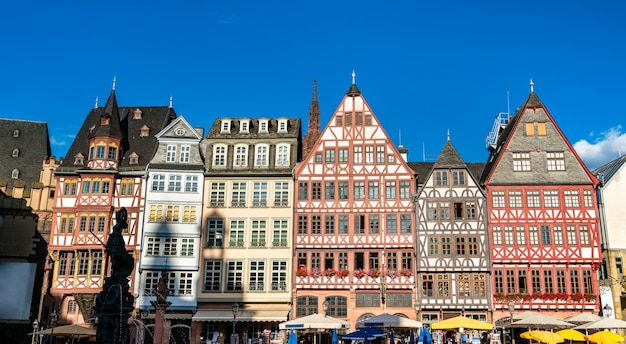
pixel 306 305
pixel 241 155
pixel 219 155
pixel 260 158
pixel 364 317
pixel 282 155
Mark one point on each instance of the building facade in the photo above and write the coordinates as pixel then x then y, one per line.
pixel 353 220
pixel 247 215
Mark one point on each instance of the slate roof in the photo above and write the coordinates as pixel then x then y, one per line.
pixel 449 157
pixel 606 172
pixel 33 143
pixel 293 129
pixel 154 117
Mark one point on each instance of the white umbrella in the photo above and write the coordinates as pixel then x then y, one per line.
pixel 314 321
pixel 602 324
pixel 583 318
pixel 389 320
pixel 539 320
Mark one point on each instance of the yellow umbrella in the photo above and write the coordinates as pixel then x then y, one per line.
pixel 605 337
pixel 547 337
pixel 525 335
pixel 572 334
pixel 461 321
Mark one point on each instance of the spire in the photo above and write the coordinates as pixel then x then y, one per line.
pixel 532 86
pixel 313 130
pixel 111 111
pixel 114 81
pixel 353 77
pixel 448 135
pixel 96 105
pixel 353 90
pixel 171 102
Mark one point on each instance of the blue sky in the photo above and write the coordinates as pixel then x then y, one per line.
pixel 425 67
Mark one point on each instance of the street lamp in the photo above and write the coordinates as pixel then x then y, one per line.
pixel 325 305
pixel 235 311
pixel 607 311
pixel 511 310
pixel 35 327
pixel 54 319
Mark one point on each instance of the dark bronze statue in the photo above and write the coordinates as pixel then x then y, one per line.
pixel 122 263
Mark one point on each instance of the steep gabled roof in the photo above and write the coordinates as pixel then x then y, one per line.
pixel 449 157
pixel 514 138
pixel 606 172
pixel 111 112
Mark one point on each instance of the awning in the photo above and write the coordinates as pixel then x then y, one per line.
pixel 246 315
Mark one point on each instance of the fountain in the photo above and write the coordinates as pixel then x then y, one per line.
pixel 115 302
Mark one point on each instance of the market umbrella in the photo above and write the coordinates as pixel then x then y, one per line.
pixel 387 320
pixel 73 331
pixel 335 339
pixel 547 337
pixel 582 318
pixel 293 339
pixel 461 322
pixel 603 323
pixel 572 334
pixel 525 335
pixel 365 334
pixel 316 321
pixel 539 320
pixel 604 337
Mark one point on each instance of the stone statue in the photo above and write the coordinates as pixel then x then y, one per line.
pixel 122 263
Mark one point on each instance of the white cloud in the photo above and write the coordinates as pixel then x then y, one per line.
pixel 55 142
pixel 602 147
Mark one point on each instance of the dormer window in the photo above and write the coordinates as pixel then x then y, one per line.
pixel 282 126
pixel 263 126
pixel 137 114
pixel 225 126
pixel 133 159
pixel 79 159
pixel 105 120
pixel 180 132
pixel 244 126
pixel 15 173
pixel 144 131
pixel 16 153
pixel 16 133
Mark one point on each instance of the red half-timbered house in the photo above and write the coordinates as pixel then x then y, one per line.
pixel 104 170
pixel 543 217
pixel 353 220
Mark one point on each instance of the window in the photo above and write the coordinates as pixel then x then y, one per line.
pixel 318 157
pixel 175 183
pixel 133 159
pixel 282 126
pixel 458 178
pixel 329 224
pixel 261 155
pixel 380 154
pixel 337 306
pixel 546 238
pixel 100 152
pixel 101 223
pixel 241 154
pixel 574 281
pixel 316 191
pixel 219 156
pixel 282 155
pixel 150 283
pixel 572 237
pixel 316 224
pixel 72 307
pixel 158 182
pixel 359 190
pixel 191 183
pixel 359 224
pixel 405 224
pixel 358 154
pixel 497 199
pixel 369 154
pixel 170 246
pixel 279 234
pixel 556 161
pixel 86 186
pixel 83 262
pixel 83 224
pixel 303 224
pixel 172 213
pixel 330 155
pixel 16 153
pixel 329 190
pixel 127 187
pixel 470 210
pixel 212 275
pixel 343 224
pixel 239 195
pixel 259 194
pixel 508 235
pixel 343 260
pixel 153 246
pixel 551 198
pixel 521 161
pixel 259 233
pixel 515 198
pixel 95 188
pixel 521 235
pixel 243 126
pixel 106 185
pixel 588 198
pixel 372 190
pixel 571 199
pixel 443 285
pixel 185 151
pixel 343 191
pixel 428 285
pixel 236 233
pixel 189 214
pixel 279 276
pixel 217 194
pixel 262 126
pixel 584 234
pixel 441 178
pixel 368 300
pixel 405 189
pixel 170 155
pixel 281 194
pixel 533 235
pixel 303 191
pixel 70 187
pixel 187 247
pixel 374 221
pixel 16 133
pixel 215 233
pixel 256 277
pixel 392 224
pixel 96 263
pixel 390 190
pixel 306 305
pixel 234 276
pixel 225 126
pixel 407 259
pixel 343 154
pixel 112 153
pixel 533 199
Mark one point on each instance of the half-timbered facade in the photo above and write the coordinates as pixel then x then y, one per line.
pixel 247 216
pixel 170 240
pixel 454 260
pixel 543 217
pixel 104 171
pixel 353 220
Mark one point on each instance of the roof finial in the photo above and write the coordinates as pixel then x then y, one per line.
pixel 448 134
pixel 353 77
pixel 96 106
pixel 114 80
pixel 532 86
pixel 171 101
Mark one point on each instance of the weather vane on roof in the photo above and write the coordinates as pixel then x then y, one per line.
pixel 532 86
pixel 353 77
